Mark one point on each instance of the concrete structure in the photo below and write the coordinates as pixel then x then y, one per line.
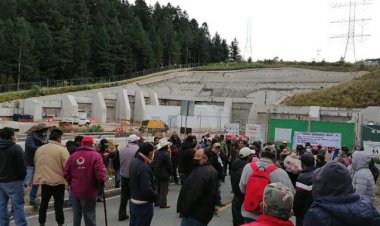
pixel 251 96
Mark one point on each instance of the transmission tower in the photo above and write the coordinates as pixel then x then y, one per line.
pixel 248 42
pixel 351 23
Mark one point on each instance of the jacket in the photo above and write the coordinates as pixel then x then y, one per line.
pixel 142 181
pixel 335 203
pixel 197 196
pixel 12 162
pixel 362 178
pixel 84 170
pixel 126 155
pixel 31 146
pixel 304 195
pixel 162 164
pixel 185 158
pixel 49 162
pixel 236 170
pixel 216 164
pixel 278 175
pixel 265 220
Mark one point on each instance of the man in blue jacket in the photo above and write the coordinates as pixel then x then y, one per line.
pixel 143 191
pixel 12 175
pixel 335 203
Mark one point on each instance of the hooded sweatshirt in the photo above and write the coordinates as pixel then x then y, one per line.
pixel 12 162
pixel 362 178
pixel 335 203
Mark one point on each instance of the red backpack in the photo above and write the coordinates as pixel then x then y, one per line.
pixel 256 184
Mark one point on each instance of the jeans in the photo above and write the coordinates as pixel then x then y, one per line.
pixel 58 193
pixel 125 195
pixel 141 215
pixel 85 208
pixel 33 191
pixel 15 192
pixel 237 218
pixel 100 190
pixel 189 221
pixel 117 178
pixel 174 172
pixel 162 189
pixel 70 199
pixel 218 198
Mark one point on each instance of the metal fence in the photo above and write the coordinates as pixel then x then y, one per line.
pixel 83 81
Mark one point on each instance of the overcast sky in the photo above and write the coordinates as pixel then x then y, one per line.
pixel 288 29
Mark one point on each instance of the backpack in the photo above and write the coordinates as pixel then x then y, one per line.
pixel 256 184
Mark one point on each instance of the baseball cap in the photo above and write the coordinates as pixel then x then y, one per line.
pixel 216 145
pixel 278 201
pixel 87 140
pixel 133 138
pixel 245 152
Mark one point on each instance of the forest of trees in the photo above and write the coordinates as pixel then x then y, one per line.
pixel 63 39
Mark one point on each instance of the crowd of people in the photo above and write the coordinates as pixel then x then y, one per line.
pixel 270 182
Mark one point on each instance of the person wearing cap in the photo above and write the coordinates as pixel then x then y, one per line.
pixel 292 165
pixel 245 157
pixel 335 202
pixel 103 149
pixel 126 154
pixel 304 188
pixel 162 171
pixel 143 191
pixel 12 175
pixel 37 136
pixel 217 163
pixel 49 161
pixel 84 170
pixel 277 206
pixel 196 200
pixel 268 158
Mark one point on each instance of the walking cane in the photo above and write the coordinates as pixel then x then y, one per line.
pixel 105 208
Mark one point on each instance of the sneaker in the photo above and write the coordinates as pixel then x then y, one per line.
pixel 100 200
pixel 165 207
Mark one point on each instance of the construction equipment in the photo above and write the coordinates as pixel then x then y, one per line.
pixel 153 126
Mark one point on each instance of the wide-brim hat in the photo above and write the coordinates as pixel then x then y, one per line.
pixel 38 127
pixel 163 143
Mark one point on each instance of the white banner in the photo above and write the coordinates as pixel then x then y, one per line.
pixel 373 148
pixel 231 128
pixel 315 138
pixel 253 131
pixel 282 134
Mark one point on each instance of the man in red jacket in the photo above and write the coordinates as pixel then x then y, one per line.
pixel 84 170
pixel 277 206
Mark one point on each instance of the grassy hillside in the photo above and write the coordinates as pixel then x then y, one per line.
pixel 322 66
pixel 357 93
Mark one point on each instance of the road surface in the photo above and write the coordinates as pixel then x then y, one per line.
pixel 162 217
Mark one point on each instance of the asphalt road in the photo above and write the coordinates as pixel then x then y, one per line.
pixel 162 217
